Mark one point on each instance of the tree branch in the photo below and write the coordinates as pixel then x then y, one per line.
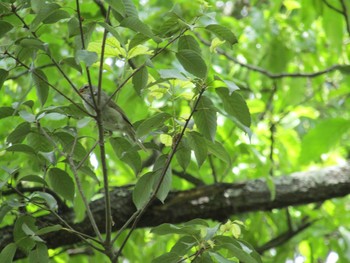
pixel 216 202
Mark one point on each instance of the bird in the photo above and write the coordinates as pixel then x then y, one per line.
pixel 113 117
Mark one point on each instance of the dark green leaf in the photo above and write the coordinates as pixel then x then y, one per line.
pixel 39 254
pixel 188 42
pixel 50 156
pixel 56 16
pixel 87 57
pixel 73 27
pixel 151 124
pixel 166 229
pixel 169 257
pixel 49 199
pixel 48 229
pixel 32 43
pixel 219 151
pixel 130 8
pixel 235 105
pixel 19 133
pixel 183 154
pixel 39 142
pixel 140 79
pixel 4 209
pixel 183 245
pixel 8 253
pixel 223 33
pixel 43 12
pixel 344 69
pixel 21 148
pixel 41 85
pixel 321 139
pixel 199 146
pixel 143 190
pixel 6 112
pixel 171 74
pixel 24 242
pixel 166 178
pixel 126 153
pixel 133 23
pixel 61 183
pixel 205 118
pixel 192 62
pixel 118 6
pixel 4 28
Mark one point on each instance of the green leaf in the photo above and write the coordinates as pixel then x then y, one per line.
pixel 219 258
pixel 171 74
pixel 8 253
pixel 73 27
pixel 6 112
pixel 219 151
pixel 143 190
pixel 151 124
pixel 126 153
pixel 19 133
pixel 183 245
pixel 39 254
pixel 183 154
pixel 130 8
pixel 169 229
pixel 21 148
pixel 235 105
pixel 22 240
pixel 133 23
pixel 190 43
pixel 140 80
pixel 61 183
pixel 199 146
pixel 48 229
pixel 165 186
pixel 322 138
pixel 343 69
pixel 4 209
pixel 39 142
pixel 169 257
pixel 44 12
pixel 117 5
pixel 27 116
pixel 223 33
pixel 205 118
pixel 56 16
pixel 230 84
pixel 41 85
pixel 86 56
pixel 192 62
pixel 4 28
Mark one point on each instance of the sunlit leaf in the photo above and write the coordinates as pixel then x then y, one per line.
pixel 205 118
pixel 223 33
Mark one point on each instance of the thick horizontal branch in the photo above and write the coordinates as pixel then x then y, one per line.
pixel 216 202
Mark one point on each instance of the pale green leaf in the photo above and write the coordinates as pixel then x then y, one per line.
pixel 86 56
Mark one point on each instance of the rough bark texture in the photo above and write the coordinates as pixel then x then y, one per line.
pixel 217 202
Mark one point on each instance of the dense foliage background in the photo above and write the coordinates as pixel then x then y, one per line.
pixel 218 91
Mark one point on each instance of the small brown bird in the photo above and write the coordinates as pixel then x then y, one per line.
pixel 113 117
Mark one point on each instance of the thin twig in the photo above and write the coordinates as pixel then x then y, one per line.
pixel 332 7
pixel 346 16
pixel 268 73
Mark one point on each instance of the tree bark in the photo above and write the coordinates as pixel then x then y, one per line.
pixel 217 202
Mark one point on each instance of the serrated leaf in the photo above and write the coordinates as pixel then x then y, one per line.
pixel 41 85
pixel 322 138
pixel 140 79
pixel 205 118
pixel 199 146
pixel 19 133
pixel 8 253
pixel 126 153
pixel 4 28
pixel 151 124
pixel 61 183
pixel 219 151
pixel 86 56
pixel 143 190
pixel 223 33
pixel 192 62
pixel 134 23
pixel 188 42
pixel 235 105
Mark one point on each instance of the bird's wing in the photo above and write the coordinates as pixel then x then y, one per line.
pixel 113 105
